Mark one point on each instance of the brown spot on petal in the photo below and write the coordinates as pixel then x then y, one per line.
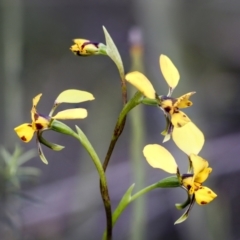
pixel 209 192
pixel 188 104
pixel 203 202
pixel 29 125
pixel 184 115
pixel 179 125
pixel 167 109
pixel 39 126
pixel 24 138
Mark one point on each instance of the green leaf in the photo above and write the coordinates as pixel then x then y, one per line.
pixel 126 199
pixel 5 154
pixel 28 171
pixel 25 196
pixel 26 156
pixel 113 53
pixel 169 182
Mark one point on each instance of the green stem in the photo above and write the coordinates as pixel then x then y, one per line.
pixel 168 182
pixel 103 181
pixel 144 191
pixel 121 207
pixel 120 125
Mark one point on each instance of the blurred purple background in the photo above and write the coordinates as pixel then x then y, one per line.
pixel 201 38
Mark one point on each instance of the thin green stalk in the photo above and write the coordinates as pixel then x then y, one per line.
pixel 120 125
pixel 168 182
pixel 144 191
pixel 104 188
pixel 121 207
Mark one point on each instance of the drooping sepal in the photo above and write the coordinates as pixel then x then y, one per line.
pixel 186 213
pixel 50 145
pixel 181 206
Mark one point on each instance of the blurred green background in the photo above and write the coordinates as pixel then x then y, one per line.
pixel 200 37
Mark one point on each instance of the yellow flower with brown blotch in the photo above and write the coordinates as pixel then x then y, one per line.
pixel 84 47
pixel 175 118
pixel 199 170
pixel 41 122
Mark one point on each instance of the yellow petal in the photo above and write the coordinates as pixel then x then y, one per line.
pixel 36 99
pixel 73 96
pixel 198 164
pixel 183 101
pixel 203 175
pixel 139 81
pixel 75 113
pixel 80 41
pixel 35 102
pixel 188 183
pixel 159 157
pixel 84 47
pixel 169 71
pixel 25 132
pixel 188 138
pixel 179 119
pixel 204 195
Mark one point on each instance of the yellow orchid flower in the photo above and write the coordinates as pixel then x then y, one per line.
pixel 41 123
pixel 170 106
pixel 201 171
pixel 84 47
pixel 159 157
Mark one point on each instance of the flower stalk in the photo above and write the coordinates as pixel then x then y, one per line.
pixel 169 182
pixel 103 181
pixel 133 102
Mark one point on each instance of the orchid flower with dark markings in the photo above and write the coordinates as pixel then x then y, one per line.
pixel 84 47
pixel 41 122
pixel 199 170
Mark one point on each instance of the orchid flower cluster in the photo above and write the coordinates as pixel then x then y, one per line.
pixel 186 135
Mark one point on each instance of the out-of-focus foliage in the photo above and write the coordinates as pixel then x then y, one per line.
pixel 12 175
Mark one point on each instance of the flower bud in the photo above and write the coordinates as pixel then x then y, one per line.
pixel 83 47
